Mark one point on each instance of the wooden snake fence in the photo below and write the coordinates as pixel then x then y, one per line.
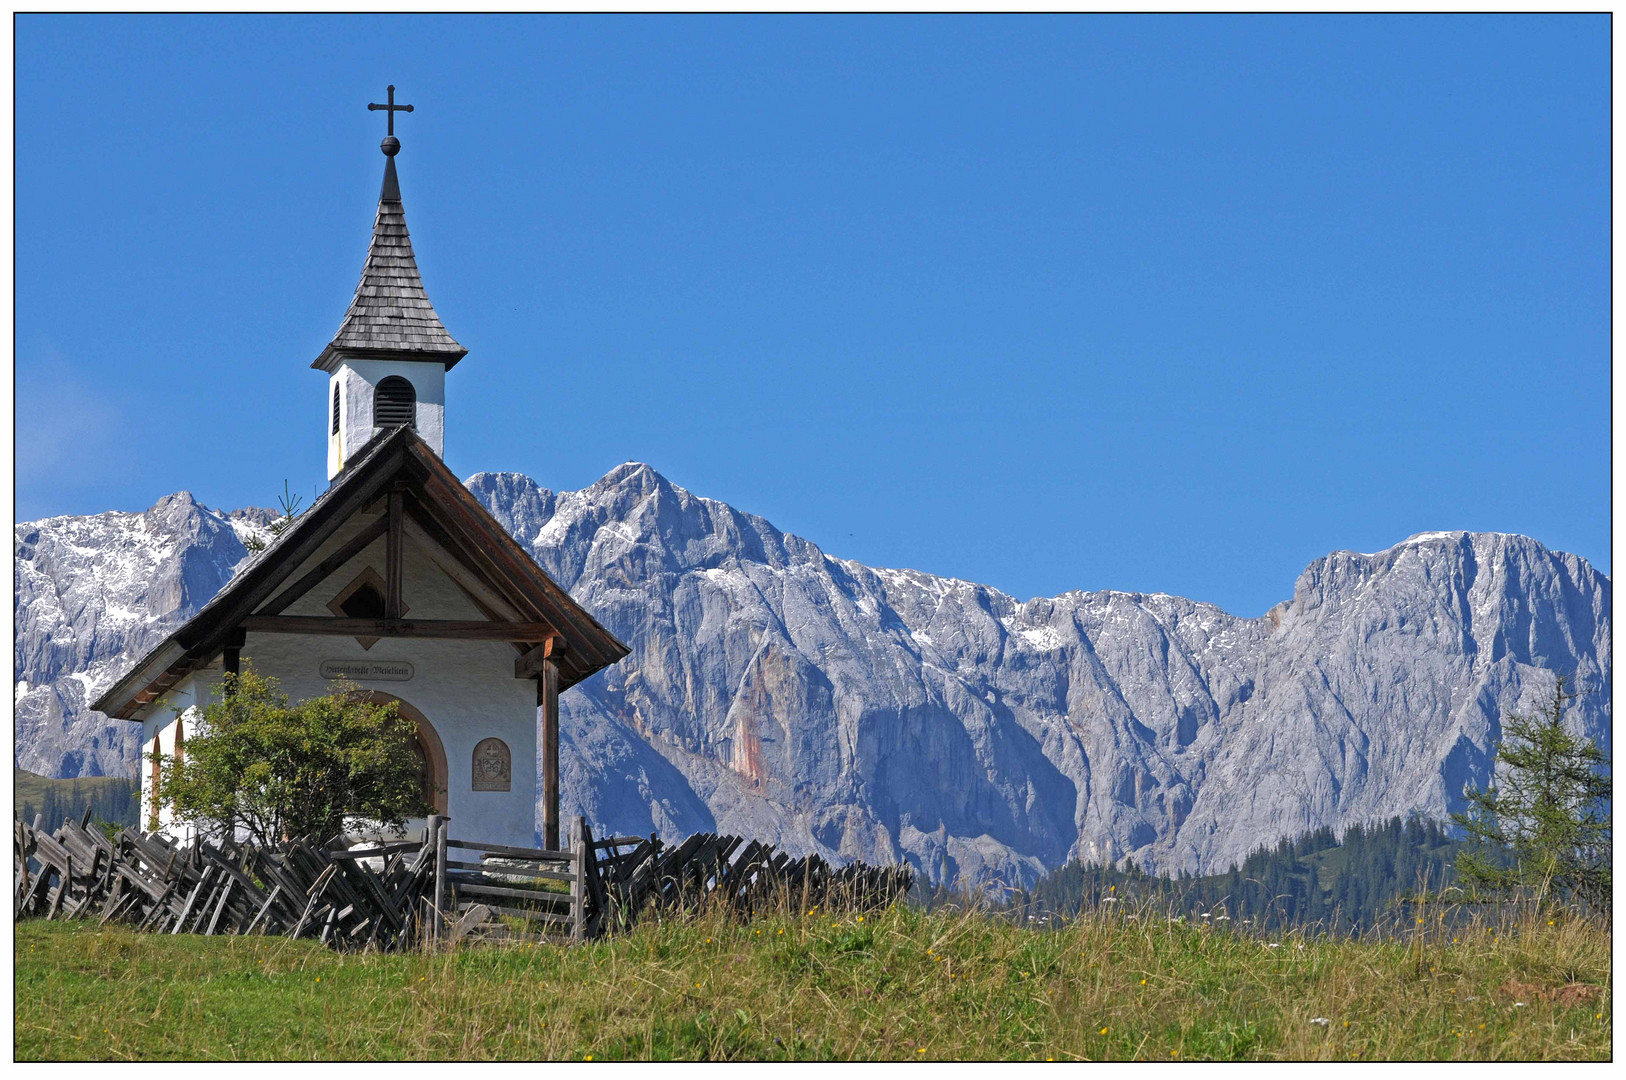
pixel 347 899
pixel 416 892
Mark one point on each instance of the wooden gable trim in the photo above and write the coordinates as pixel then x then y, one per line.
pixel 491 604
pixel 326 568
pixel 206 635
pixel 461 525
pixel 592 646
pixel 509 572
pixel 397 469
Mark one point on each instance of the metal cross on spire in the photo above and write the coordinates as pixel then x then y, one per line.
pixel 391 109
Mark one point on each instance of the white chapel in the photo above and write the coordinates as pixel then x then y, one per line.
pixel 396 579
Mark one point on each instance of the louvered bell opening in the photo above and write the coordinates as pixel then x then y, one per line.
pixel 335 408
pixel 395 403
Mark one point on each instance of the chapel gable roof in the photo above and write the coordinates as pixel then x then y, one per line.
pixel 391 316
pixel 525 606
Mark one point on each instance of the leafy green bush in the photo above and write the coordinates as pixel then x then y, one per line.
pixel 278 770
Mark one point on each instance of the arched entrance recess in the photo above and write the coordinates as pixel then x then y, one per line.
pixel 430 751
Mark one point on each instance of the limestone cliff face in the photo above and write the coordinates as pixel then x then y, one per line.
pixel 889 713
pixel 92 595
pixel 824 705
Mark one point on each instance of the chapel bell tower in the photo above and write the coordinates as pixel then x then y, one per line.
pixel 387 364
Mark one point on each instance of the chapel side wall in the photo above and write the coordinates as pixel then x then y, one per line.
pixel 466 689
pixel 174 710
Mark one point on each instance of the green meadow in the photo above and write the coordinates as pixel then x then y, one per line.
pixel 901 984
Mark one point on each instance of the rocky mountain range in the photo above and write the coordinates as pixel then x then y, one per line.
pixel 821 704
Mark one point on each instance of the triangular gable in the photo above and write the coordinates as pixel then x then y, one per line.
pixel 426 503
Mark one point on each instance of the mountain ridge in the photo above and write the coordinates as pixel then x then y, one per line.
pixel 887 713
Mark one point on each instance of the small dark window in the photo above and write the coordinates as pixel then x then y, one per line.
pixel 335 408
pixel 395 403
pixel 365 603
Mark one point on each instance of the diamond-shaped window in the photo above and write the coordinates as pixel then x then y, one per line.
pixel 363 598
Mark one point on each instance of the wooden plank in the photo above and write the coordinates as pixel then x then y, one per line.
pixel 547 699
pixel 48 850
pixel 120 907
pixel 439 629
pixel 220 907
pixel 372 894
pixel 35 890
pixel 535 896
pixel 439 828
pixel 392 556
pixel 516 871
pixel 595 883
pixel 561 919
pixel 578 888
pixel 276 890
pixel 326 568
pixel 506 852
pixel 190 900
pixel 63 876
pixel 316 894
pixel 375 851
pixel 472 916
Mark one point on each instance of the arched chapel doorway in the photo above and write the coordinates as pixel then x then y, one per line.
pixel 431 754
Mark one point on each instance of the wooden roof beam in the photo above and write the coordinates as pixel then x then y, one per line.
pixel 326 568
pixel 529 665
pixel 447 629
pixel 517 567
pixel 455 564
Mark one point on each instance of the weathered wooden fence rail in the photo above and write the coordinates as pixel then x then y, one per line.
pixel 435 889
pixel 347 899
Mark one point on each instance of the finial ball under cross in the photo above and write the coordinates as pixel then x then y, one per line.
pixel 391 145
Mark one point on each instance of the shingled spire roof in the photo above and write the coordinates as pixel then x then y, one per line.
pixel 391 316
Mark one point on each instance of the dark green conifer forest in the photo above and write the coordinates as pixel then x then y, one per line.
pixel 111 799
pixel 1339 885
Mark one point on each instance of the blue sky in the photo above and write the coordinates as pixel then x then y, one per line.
pixel 1156 304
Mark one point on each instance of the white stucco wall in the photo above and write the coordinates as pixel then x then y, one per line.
pixel 356 380
pixel 465 689
pixel 176 709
